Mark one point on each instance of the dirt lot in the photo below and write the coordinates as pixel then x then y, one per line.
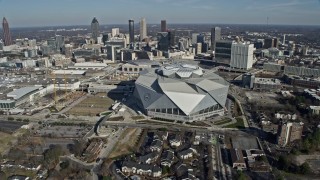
pixel 7 140
pixel 127 143
pixel 92 105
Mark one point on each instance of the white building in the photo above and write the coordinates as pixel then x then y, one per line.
pixel 242 56
pixel 143 29
pixel 115 32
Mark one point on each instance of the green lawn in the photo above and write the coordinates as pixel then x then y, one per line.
pixel 239 124
pixel 137 117
pixel 223 121
pixel 105 113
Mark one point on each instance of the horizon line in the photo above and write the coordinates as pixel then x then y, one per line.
pixel 259 24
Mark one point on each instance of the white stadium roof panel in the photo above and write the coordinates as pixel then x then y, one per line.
pixel 185 101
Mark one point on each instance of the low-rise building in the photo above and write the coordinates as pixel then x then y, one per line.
pixel 141 169
pixel 315 110
pixel 175 140
pixel 266 84
pixel 156 145
pixel 6 105
pixel 289 132
pixel 186 154
pixel 136 66
pixel 238 161
pixel 167 158
pixel 22 95
pixel 149 158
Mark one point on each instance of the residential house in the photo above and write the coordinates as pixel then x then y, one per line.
pixel 149 158
pixel 141 169
pixel 174 140
pixel 186 154
pixel 167 158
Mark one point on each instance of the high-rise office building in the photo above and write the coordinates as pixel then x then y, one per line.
pixel 163 41
pixel 198 48
pixel 215 36
pixel 143 29
pixel 289 132
pixel 6 32
pixel 172 37
pixel 115 32
pixel 1 45
pixel 242 56
pixel 131 31
pixel 68 50
pixel 201 38
pixel 60 43
pixel 223 49
pixel 194 38
pixel 276 42
pixel 271 43
pixel 164 26
pixel 95 29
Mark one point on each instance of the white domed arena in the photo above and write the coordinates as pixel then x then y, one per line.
pixel 182 92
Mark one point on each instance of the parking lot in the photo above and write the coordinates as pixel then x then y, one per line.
pixel 62 131
pixel 10 126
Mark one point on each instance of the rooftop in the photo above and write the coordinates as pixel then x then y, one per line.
pixel 69 72
pixel 18 93
pixel 267 81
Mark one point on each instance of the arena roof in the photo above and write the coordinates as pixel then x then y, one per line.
pixel 190 95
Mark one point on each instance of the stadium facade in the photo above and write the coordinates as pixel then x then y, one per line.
pixel 181 92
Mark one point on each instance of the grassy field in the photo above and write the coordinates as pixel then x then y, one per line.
pixel 127 143
pixel 18 171
pixel 137 117
pixel 239 124
pixel 223 121
pixel 91 106
pixel 5 141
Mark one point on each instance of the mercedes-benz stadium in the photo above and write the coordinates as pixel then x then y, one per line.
pixel 182 92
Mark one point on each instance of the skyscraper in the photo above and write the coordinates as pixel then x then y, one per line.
pixel 215 36
pixel 163 41
pixel 6 32
pixel 131 31
pixel 143 29
pixel 60 43
pixel 95 29
pixel 115 32
pixel 164 26
pixel 242 56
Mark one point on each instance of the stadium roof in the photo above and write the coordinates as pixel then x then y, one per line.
pixel 190 95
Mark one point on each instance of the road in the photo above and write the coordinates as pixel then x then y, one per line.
pixel 220 166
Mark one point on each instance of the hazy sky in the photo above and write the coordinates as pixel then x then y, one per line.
pixel 21 13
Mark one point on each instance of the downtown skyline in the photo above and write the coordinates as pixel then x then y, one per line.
pixel 32 13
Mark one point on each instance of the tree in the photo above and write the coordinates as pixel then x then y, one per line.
pixel 166 170
pixel 283 163
pixel 64 164
pixel 3 175
pixel 16 154
pixel 241 176
pixel 305 168
pixel 51 156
